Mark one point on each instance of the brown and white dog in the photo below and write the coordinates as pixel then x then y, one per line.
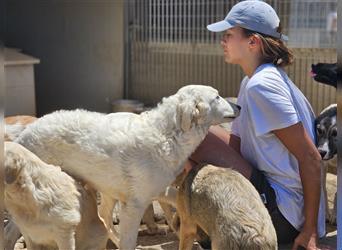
pixel 326 128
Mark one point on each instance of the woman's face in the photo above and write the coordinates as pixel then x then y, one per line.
pixel 235 46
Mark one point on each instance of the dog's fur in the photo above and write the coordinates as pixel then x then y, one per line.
pixel 326 131
pixel 226 206
pixel 325 73
pixel 50 208
pixel 128 157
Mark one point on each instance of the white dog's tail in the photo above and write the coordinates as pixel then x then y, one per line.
pixel 12 131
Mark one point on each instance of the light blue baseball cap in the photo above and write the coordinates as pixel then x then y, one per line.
pixel 253 15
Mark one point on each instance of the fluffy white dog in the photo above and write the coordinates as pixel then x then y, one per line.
pixel 50 208
pixel 129 157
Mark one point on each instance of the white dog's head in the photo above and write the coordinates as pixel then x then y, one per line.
pixel 202 105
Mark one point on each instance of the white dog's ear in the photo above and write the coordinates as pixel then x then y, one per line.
pixel 202 110
pixel 185 114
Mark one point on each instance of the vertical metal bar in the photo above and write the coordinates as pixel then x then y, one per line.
pixel 158 21
pixel 154 64
pixel 127 49
pixel 189 21
pixel 162 16
pixel 147 7
pixel 149 19
pixel 167 16
pixel 172 31
pixel 154 20
pixel 184 3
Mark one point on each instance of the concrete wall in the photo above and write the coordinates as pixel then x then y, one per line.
pixel 80 45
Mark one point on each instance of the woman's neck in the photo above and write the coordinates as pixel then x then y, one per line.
pixel 249 66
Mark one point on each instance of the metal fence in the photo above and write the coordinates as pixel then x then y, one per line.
pixel 168 46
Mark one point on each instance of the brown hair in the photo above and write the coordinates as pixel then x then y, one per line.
pixel 273 50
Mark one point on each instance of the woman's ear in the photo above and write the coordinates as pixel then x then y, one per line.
pixel 254 40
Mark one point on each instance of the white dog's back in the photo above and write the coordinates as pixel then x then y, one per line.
pixel 84 142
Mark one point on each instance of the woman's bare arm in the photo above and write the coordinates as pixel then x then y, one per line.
pixel 298 142
pixel 221 149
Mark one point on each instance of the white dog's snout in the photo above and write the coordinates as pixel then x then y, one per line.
pixel 234 110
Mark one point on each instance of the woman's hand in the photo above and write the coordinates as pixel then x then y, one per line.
pixel 306 239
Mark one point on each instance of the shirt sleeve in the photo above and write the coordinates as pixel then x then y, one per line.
pixel 270 107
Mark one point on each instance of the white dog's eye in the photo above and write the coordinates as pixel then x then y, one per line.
pixel 218 97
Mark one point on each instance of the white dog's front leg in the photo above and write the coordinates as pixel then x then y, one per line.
pixel 131 214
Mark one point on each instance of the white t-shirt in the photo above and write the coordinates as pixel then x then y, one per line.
pixel 268 102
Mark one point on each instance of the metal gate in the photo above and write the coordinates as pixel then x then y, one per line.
pixel 168 46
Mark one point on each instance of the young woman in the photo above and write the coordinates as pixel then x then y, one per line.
pixel 274 133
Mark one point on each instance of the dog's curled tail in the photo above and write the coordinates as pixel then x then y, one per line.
pixel 12 131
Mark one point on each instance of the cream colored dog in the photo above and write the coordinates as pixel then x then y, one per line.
pixel 14 125
pixel 50 208
pixel 128 157
pixel 227 207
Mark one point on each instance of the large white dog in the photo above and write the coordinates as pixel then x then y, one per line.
pixel 129 157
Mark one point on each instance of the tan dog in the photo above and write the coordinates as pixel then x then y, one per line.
pixel 50 208
pixel 226 206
